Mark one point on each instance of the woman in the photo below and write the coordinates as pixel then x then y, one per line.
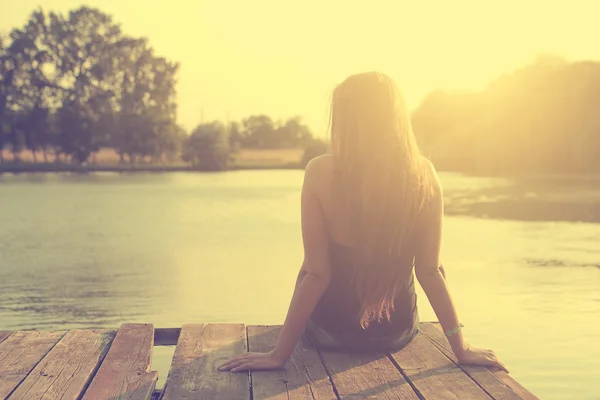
pixel 371 212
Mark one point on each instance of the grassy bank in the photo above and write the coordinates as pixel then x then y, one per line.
pixel 108 161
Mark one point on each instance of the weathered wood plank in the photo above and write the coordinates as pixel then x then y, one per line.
pixel 200 350
pixel 366 376
pixel 476 372
pixel 4 335
pixel 304 376
pixel 433 374
pixel 481 375
pixel 20 353
pixel 67 368
pixel 125 372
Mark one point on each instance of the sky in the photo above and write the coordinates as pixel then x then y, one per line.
pixel 283 58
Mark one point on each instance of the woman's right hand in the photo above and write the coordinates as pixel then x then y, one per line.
pixel 480 357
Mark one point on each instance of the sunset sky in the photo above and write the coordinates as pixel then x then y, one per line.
pixel 283 58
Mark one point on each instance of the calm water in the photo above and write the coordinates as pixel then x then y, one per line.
pixel 99 250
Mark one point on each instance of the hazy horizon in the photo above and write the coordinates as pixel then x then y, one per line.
pixel 239 59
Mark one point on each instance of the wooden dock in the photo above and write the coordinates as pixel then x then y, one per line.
pixel 106 364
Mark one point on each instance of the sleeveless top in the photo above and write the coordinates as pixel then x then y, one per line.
pixel 337 312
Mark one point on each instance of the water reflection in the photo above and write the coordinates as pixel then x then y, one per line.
pixel 533 199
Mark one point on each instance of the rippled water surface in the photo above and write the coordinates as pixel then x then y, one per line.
pixel 103 249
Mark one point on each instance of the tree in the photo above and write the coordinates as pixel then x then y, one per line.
pixel 293 134
pixel 541 118
pixel 5 85
pixel 172 140
pixel 75 122
pixel 258 131
pixel 146 101
pixel 80 68
pixel 207 148
pixel 235 136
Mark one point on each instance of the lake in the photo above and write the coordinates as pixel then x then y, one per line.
pixel 522 259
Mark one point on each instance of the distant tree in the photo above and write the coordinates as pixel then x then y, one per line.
pixel 146 100
pixel 172 142
pixel 207 148
pixel 128 135
pixel 5 86
pixel 541 118
pixel 75 123
pixel 293 133
pixel 36 129
pixel 2 141
pixel 258 131
pixel 15 135
pixel 235 136
pixel 80 68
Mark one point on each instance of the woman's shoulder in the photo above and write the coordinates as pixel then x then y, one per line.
pixel 430 174
pixel 320 168
pixel 427 165
pixel 319 173
pixel 322 163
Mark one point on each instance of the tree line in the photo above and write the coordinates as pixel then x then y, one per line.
pixel 214 146
pixel 540 119
pixel 73 84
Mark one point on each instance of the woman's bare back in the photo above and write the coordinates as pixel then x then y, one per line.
pixel 332 205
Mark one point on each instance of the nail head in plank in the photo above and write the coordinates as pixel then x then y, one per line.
pixel 125 371
pixel 304 376
pixel 20 353
pixel 433 374
pixel 200 350
pixel 501 375
pixel 366 376
pixel 67 368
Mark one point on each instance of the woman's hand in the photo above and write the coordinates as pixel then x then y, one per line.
pixel 480 357
pixel 253 362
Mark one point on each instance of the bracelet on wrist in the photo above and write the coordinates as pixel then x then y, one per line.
pixel 454 331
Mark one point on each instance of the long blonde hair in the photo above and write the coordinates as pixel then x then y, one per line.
pixel 383 183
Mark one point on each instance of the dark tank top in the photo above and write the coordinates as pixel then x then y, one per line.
pixel 338 309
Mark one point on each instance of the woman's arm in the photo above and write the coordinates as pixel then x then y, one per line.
pixel 427 266
pixel 311 283
pixel 315 272
pixel 432 278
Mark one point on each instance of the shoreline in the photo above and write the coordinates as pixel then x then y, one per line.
pixel 40 168
pixel 54 168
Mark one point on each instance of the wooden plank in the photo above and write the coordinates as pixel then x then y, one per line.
pixel 433 374
pixel 20 353
pixel 476 372
pixel 304 376
pixel 4 335
pixel 200 350
pixel 67 368
pixel 125 372
pixel 481 375
pixel 366 376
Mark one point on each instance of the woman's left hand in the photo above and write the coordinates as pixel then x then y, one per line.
pixel 252 362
